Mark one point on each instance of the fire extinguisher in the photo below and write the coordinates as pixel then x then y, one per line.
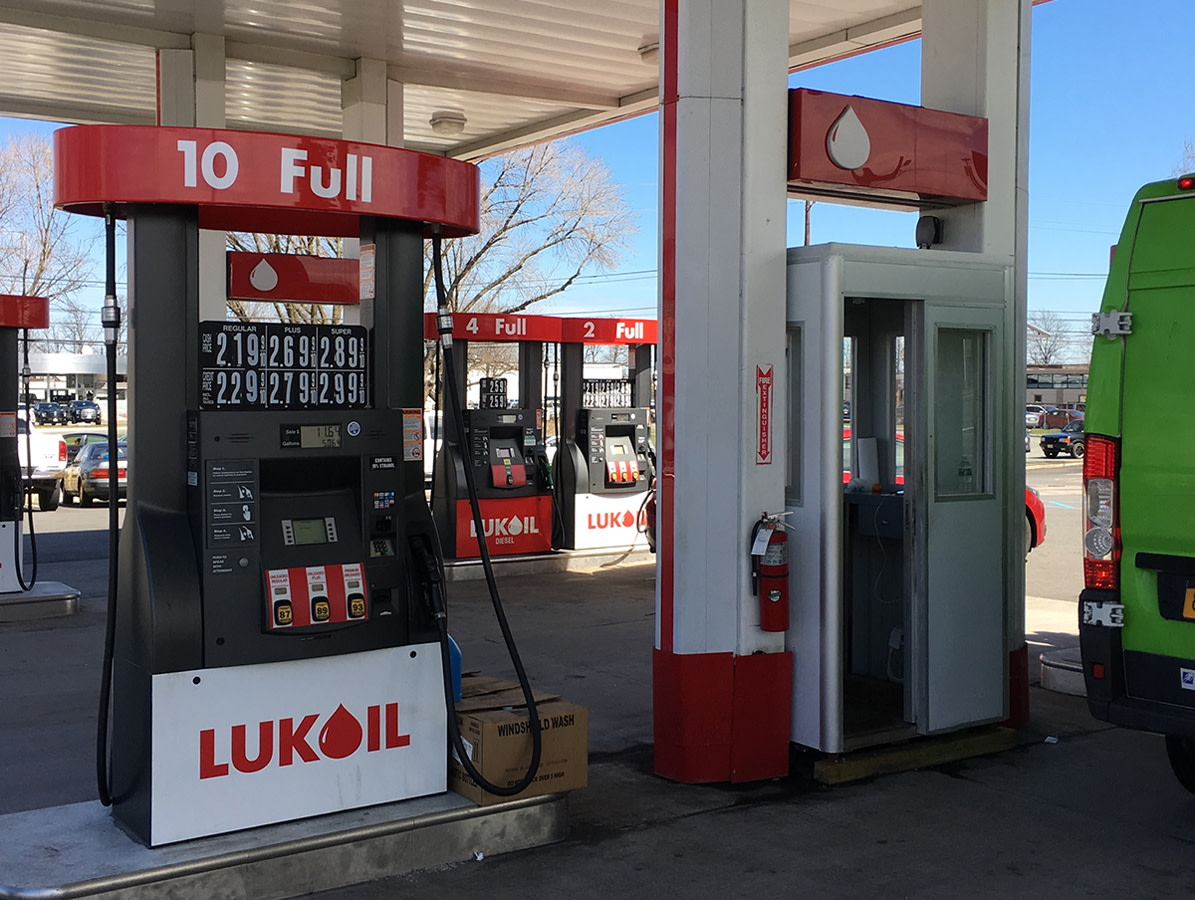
pixel 769 572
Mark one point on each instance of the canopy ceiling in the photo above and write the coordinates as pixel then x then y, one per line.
pixel 518 70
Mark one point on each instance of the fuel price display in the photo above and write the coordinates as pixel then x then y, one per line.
pixel 269 365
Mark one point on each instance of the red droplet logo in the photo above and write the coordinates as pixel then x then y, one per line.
pixel 628 519
pixel 341 735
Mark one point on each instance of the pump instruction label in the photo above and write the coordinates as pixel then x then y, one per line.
pixel 231 502
pixel 271 365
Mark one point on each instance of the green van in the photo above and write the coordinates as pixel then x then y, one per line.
pixel 1137 609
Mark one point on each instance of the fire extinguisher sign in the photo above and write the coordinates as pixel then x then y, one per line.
pixel 763 394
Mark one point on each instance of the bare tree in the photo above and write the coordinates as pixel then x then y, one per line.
pixel 1048 339
pixel 1186 164
pixel 43 252
pixel 291 313
pixel 549 213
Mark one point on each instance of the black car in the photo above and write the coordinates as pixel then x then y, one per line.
pixel 84 411
pixel 86 478
pixel 1069 440
pixel 49 414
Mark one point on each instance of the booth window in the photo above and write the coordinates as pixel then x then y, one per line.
pixel 961 420
pixel 792 480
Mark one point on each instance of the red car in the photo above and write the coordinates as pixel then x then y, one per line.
pixel 1035 510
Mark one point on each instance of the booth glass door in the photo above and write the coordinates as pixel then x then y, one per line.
pixel 957 658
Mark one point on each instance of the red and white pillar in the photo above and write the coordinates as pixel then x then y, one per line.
pixel 721 685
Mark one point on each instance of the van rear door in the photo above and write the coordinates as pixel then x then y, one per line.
pixel 1157 465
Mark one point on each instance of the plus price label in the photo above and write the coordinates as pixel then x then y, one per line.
pixel 260 365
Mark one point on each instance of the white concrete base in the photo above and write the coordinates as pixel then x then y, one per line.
pixel 47 600
pixel 80 851
pixel 1062 672
pixel 558 561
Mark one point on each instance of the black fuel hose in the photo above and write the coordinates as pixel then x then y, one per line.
pixel 111 322
pixel 26 487
pixel 444 326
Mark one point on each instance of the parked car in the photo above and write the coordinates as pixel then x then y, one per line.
pixel 1069 440
pixel 1035 519
pixel 42 457
pixel 84 411
pixel 86 479
pixel 1034 413
pixel 1060 418
pixel 76 440
pixel 46 413
pixel 1035 510
pixel 1026 440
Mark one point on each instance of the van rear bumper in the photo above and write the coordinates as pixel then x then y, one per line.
pixel 1158 702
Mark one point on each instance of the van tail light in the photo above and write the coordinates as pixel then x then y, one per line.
pixel 61 450
pixel 1101 515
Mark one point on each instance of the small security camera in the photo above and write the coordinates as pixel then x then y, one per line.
pixel 929 232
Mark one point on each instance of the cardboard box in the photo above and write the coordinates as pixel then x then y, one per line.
pixel 493 723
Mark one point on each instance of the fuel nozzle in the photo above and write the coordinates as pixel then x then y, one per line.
pixel 429 567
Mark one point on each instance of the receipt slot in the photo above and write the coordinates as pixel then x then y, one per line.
pixel 274 654
pixel 603 471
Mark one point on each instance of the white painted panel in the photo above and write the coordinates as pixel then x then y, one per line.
pixel 603 520
pixel 331 747
pixel 709 544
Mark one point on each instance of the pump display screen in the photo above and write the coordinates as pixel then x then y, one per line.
pixel 316 436
pixel 309 531
pixel 271 365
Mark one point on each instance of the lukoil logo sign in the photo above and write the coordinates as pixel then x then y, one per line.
pixel 282 742
pixel 511 526
pixel 625 519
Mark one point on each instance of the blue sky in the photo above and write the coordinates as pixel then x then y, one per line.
pixel 1108 113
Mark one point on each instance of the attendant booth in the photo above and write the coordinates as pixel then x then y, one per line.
pixel 904 533
pixel 899 512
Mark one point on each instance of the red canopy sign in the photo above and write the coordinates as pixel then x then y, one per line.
pixel 254 181
pixel 291 278
pixel 19 311
pixel 610 331
pixel 887 153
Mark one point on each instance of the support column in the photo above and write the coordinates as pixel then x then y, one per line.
pixel 975 60
pixel 371 110
pixel 722 686
pixel 191 94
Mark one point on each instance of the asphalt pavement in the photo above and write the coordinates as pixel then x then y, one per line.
pixel 1077 809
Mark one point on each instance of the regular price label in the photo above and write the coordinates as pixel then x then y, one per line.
pixel 257 365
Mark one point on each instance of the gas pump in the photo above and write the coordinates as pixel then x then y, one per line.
pixel 603 469
pixel 15 313
pixel 502 444
pixel 276 632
